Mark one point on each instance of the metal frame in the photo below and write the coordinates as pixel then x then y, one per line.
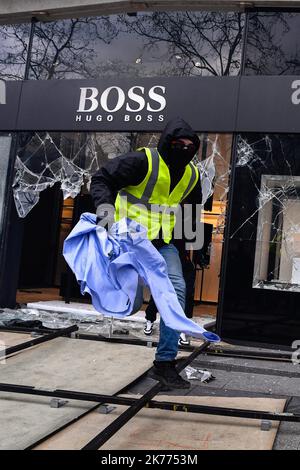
pixel 42 339
pixel 118 423
pixel 64 426
pixel 283 356
pixel 162 405
pixel 133 341
pixel 226 238
pixel 135 405
pixel 24 329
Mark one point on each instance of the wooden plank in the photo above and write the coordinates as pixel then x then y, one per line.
pixel 167 430
pixel 8 339
pixel 65 363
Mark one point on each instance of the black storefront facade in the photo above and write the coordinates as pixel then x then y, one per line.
pixel 242 81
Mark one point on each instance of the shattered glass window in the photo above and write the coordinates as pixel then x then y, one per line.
pixel 268 188
pixel 69 159
pixel 40 163
pixel 214 163
pixel 277 257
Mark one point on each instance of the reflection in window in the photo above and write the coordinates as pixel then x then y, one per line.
pixel 277 256
pixel 13 51
pixel 149 44
pixel 273 44
pixel 69 48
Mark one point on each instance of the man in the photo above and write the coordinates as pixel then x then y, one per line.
pixel 159 180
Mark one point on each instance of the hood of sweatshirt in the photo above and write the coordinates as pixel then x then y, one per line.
pixel 176 129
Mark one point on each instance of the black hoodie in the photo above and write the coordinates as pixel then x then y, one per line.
pixel 132 167
pixel 177 128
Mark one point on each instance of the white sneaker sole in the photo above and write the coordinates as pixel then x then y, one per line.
pixel 184 343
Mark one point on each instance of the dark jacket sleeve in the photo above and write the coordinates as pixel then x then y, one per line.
pixel 128 169
pixel 195 196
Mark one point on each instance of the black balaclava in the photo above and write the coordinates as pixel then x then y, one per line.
pixel 177 158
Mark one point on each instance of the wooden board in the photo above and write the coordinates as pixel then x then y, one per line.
pixel 167 430
pixel 64 363
pixel 8 339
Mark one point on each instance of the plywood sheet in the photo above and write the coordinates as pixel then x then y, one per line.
pixel 8 339
pixel 166 430
pixel 64 363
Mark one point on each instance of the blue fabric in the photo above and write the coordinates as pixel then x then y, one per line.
pixel 109 266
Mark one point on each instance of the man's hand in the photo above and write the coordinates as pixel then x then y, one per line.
pixel 105 215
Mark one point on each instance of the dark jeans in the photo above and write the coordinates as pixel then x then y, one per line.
pixel 189 275
pixel 168 338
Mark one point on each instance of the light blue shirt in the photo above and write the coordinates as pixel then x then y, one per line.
pixel 110 265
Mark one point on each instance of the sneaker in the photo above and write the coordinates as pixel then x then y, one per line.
pixel 148 330
pixel 183 340
pixel 166 373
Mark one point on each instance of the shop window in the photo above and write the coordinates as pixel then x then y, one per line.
pixel 44 159
pixel 277 255
pixel 273 43
pixel 68 160
pixel 13 51
pixel 185 43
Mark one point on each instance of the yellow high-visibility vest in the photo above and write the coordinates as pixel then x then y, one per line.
pixel 150 203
